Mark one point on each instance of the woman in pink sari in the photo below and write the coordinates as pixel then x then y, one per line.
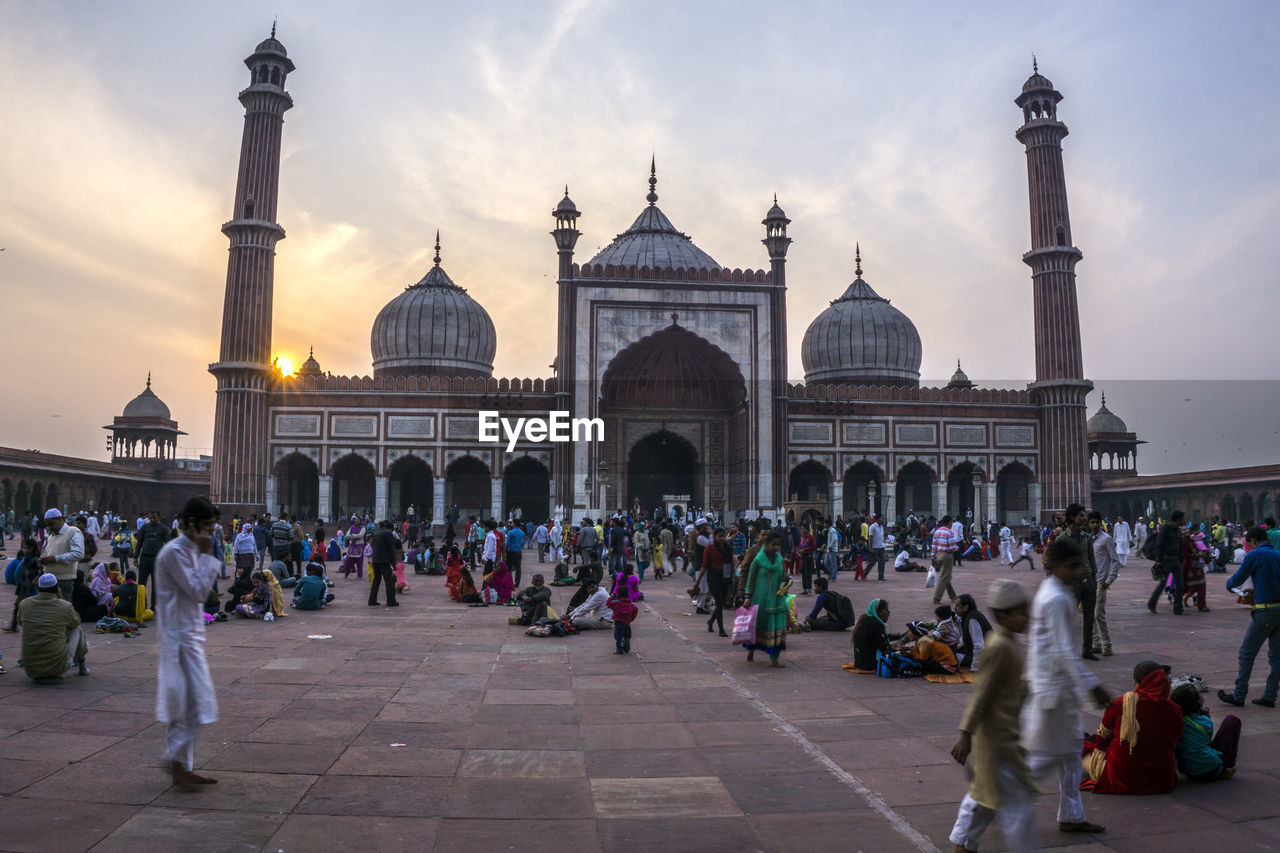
pixel 354 561
pixel 502 582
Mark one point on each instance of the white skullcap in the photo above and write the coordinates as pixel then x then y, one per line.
pixel 53 513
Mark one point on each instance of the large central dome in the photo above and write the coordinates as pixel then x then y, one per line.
pixel 434 327
pixel 654 242
pixel 862 338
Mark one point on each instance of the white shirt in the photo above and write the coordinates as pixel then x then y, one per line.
pixel 92 526
pixel 1025 549
pixel 1058 680
pixel 876 535
pixel 833 538
pixel 540 534
pixel 957 532
pixel 901 560
pixel 1105 558
pixel 183 579
pixel 1006 535
pixel 1123 535
pixel 490 546
pixel 594 606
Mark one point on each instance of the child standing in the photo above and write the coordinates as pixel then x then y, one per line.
pixel 1202 755
pixel 624 613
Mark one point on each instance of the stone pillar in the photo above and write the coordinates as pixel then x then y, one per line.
pixel 495 498
pixel 325 498
pixel 438 510
pixel 380 498
pixel 837 498
pixel 991 503
pixel 1033 498
pixel 270 495
pixel 939 499
pixel 889 501
pixel 551 504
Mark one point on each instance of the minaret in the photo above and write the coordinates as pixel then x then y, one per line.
pixel 776 241
pixel 244 368
pixel 1060 387
pixel 566 235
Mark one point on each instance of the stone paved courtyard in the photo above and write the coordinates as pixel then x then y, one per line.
pixel 440 727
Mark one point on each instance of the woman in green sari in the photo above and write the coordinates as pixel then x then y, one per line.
pixel 763 582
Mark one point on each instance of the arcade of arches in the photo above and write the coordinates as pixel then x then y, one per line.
pixel 32 482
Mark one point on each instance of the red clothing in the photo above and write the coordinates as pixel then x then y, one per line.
pixel 623 611
pixel 1150 766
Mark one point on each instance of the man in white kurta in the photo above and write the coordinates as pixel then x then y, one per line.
pixel 1051 721
pixel 185 572
pixel 1123 537
pixel 1006 545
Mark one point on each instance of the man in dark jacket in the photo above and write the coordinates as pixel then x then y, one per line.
pixel 1169 559
pixel 836 610
pixel 260 530
pixel 383 559
pixel 151 538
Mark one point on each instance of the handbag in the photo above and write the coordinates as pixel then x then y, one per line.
pixel 744 625
pixel 1157 571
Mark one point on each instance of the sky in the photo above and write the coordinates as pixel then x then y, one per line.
pixel 889 125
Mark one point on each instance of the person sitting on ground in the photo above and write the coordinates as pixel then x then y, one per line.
pixel 257 603
pixel 27 572
pixel 279 569
pixel 946 626
pixel 240 587
pixel 1134 749
pixel 277 593
pixel 453 573
pixel 502 582
pixel 836 610
pixel 973 631
pixel 533 601
pixel 52 639
pixel 562 576
pixel 311 592
pixel 1202 755
pixel 85 602
pixel 904 563
pixel 871 635
pixel 594 612
pixel 128 600
pixel 467 592
pixel 587 573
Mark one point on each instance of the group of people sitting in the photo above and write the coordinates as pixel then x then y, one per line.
pixel 259 594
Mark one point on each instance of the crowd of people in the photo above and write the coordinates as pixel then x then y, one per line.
pixel 1023 720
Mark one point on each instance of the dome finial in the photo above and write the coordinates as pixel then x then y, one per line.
pixel 312 351
pixel 652 197
pixel 437 257
pixel 1035 67
pixel 273 25
pixel 957 364
pixel 148 379
pixel 1104 399
pixel 857 260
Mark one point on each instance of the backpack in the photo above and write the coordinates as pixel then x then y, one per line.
pixel 11 571
pixel 1151 546
pixel 897 666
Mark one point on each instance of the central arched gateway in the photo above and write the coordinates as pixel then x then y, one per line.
pixel 675 412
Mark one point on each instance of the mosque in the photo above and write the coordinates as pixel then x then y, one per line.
pixel 683 359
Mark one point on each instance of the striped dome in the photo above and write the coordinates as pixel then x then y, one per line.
pixel 434 327
pixel 862 338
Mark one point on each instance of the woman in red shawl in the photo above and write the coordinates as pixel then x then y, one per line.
pixel 1134 749
pixel 502 582
pixel 453 573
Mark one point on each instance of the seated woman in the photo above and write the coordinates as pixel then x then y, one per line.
pixel 502 582
pixel 1134 751
pixel 467 592
pixel 85 602
pixel 258 602
pixel 240 587
pixel 871 635
pixel 533 601
pixel 453 573
pixel 626 581
pixel 562 576
pixel 921 645
pixel 100 586
pixel 1202 755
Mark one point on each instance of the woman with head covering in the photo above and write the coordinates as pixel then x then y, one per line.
pixel 453 573
pixel 764 589
pixel 871 635
pixel 100 586
pixel 84 601
pixel 277 594
pixel 502 582
pixel 354 561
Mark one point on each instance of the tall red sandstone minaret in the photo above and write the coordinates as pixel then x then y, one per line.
pixel 244 368
pixel 1060 387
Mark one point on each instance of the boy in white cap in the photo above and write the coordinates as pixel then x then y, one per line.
pixel 990 732
pixel 52 640
pixel 63 550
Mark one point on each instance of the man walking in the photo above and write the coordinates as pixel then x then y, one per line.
pixel 383 559
pixel 1262 563
pixel 1123 536
pixel 875 539
pixel 1051 722
pixel 151 538
pixel 831 560
pixel 1107 560
pixel 1006 546
pixel 1169 558
pixel 1076 531
pixel 944 550
pixel 515 550
pixel 185 572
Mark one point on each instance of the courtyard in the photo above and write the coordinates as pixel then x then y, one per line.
pixel 440 727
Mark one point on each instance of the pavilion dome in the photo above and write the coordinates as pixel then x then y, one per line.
pixel 654 242
pixel 147 405
pixel 433 327
pixel 960 379
pixel 1104 421
pixel 861 338
pixel 310 367
pixel 1037 82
